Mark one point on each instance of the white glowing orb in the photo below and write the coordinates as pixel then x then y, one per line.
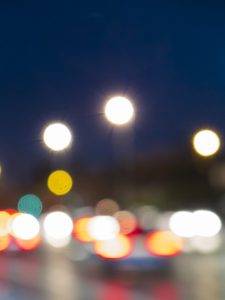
pixel 181 224
pixel 103 228
pixel 57 136
pixel 206 142
pixel 119 110
pixel 57 225
pixel 207 223
pixel 25 226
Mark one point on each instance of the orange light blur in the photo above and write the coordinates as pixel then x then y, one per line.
pixel 80 230
pixel 4 223
pixel 4 242
pixel 163 243
pixel 127 221
pixel 118 248
pixel 28 245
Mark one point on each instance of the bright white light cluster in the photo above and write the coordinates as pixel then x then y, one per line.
pixel 203 223
pixel 103 228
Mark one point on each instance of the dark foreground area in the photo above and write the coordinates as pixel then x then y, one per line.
pixel 51 275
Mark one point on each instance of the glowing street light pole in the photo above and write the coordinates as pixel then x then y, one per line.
pixel 120 112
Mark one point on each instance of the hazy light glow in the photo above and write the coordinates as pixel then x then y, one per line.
pixel 58 242
pixel 57 225
pixel 206 244
pixel 119 110
pixel 57 136
pixel 60 182
pixel 127 221
pixel 117 248
pixel 106 207
pixel 28 245
pixel 4 223
pixel 80 230
pixel 25 226
pixel 207 223
pixel 30 204
pixel 206 142
pixel 182 224
pixel 4 242
pixel 103 228
pixel 163 243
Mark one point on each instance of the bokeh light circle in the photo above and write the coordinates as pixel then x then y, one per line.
pixel 28 245
pixel 119 110
pixel 4 242
pixel 24 226
pixel 57 136
pixel 103 228
pixel 60 182
pixel 182 224
pixel 30 204
pixel 163 243
pixel 57 225
pixel 5 218
pixel 106 207
pixel 207 223
pixel 80 230
pixel 117 248
pixel 127 221
pixel 206 142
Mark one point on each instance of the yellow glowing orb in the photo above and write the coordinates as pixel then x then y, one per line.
pixel 206 142
pixel 57 136
pixel 60 182
pixel 119 110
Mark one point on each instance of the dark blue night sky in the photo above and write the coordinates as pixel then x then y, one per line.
pixel 61 60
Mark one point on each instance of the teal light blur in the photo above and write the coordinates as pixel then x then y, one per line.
pixel 30 204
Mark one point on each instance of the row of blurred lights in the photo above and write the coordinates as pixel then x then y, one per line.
pixel 112 233
pixel 120 111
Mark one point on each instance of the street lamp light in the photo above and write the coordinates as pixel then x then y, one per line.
pixel 119 110
pixel 57 136
pixel 206 142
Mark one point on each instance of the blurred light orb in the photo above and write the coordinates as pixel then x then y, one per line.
pixel 30 204
pixel 181 223
pixel 28 245
pixel 57 136
pixel 106 207
pixel 127 221
pixel 207 223
pixel 163 243
pixel 119 110
pixel 60 182
pixel 25 226
pixel 117 248
pixel 4 242
pixel 206 142
pixel 80 230
pixel 57 225
pixel 4 223
pixel 103 228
